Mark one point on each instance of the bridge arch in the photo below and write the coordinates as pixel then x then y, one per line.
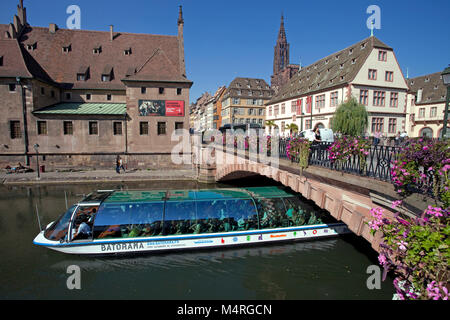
pixel 344 205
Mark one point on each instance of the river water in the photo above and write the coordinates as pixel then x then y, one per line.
pixel 323 269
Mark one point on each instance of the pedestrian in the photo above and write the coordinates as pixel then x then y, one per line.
pixel 121 166
pixel 118 164
pixel 376 137
pixel 397 139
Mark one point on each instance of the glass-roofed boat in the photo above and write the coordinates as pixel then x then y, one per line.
pixel 111 222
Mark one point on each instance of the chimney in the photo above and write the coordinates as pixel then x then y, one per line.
pixel 111 33
pixel 52 28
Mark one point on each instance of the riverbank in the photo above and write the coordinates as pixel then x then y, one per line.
pixel 96 176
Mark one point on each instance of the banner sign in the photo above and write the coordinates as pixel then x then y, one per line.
pixel 161 108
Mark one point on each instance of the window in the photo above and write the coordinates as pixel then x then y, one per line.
pixel 389 76
pixel 270 111
pixel 364 97
pixel 299 106
pixel 179 125
pixel 1 61
pixel 433 112
pixel 52 93
pixel 66 49
pixel 179 90
pixel 97 50
pixel 117 128
pixel 68 96
pixel 275 110
pixel 161 128
pixel 42 91
pixel 42 128
pixel 106 78
pixel 143 90
pixel 236 101
pixel 88 96
pixel 394 99
pixel 334 99
pixel 81 77
pixel 283 126
pixel 15 131
pixel 377 124
pixel 378 98
pixel 382 55
pixel 108 97
pixel 161 90
pixel 127 51
pixel 143 128
pixel 392 125
pixel 372 74
pixel 320 101
pixel 261 112
pixel 283 108
pixel 93 128
pixel 308 124
pixel 68 128
pixel 421 113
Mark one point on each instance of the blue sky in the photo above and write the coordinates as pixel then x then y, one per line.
pixel 228 39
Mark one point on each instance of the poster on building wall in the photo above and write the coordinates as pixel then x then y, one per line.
pixel 161 108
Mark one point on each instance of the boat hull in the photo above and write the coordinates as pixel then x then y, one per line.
pixel 193 241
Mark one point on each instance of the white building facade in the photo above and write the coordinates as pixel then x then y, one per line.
pixel 367 70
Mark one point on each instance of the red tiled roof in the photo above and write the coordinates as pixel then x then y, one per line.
pixel 49 61
pixel 13 62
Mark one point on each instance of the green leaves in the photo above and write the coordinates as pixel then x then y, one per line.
pixel 351 118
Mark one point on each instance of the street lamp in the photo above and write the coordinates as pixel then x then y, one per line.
pixel 36 147
pixel 446 79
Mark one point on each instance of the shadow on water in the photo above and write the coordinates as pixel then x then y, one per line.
pixel 333 268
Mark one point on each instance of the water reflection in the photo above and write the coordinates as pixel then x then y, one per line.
pixel 330 268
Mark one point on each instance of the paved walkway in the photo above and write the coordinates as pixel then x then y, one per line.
pixel 96 176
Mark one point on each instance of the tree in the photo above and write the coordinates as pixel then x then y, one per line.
pixel 351 118
pixel 270 124
pixel 292 127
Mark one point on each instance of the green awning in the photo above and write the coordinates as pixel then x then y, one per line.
pixel 85 109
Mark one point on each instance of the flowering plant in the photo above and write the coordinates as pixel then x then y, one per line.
pixel 265 144
pixel 346 146
pixel 299 148
pixel 417 250
pixel 422 166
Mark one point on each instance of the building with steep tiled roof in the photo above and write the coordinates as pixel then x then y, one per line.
pixel 90 95
pixel 367 70
pixel 243 101
pixel 426 105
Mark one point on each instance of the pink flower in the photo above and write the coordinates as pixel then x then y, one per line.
pixel 402 245
pixel 396 203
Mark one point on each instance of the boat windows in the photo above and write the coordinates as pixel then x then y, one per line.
pixel 179 218
pixel 128 220
pixel 58 230
pixel 83 222
pixel 301 214
pixel 272 213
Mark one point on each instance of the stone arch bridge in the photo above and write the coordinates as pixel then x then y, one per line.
pixel 348 198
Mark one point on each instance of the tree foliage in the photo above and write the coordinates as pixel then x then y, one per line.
pixel 351 118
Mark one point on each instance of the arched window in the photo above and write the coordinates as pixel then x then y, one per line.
pixel 426 132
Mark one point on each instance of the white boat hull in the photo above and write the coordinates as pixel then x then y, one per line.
pixel 192 241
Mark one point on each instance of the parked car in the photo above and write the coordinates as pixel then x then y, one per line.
pixel 326 135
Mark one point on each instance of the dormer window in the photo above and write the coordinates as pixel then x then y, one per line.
pixel 97 50
pixel 337 57
pixel 350 51
pixel 1 61
pixel 341 66
pixel 326 61
pixel 83 73
pixel 127 52
pixel 427 79
pixel 107 74
pixel 66 49
pixel 31 46
pixel 353 61
pixel 363 45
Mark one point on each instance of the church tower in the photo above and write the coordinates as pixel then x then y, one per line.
pixel 281 54
pixel 282 69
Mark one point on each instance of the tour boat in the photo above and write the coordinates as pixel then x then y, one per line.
pixel 118 222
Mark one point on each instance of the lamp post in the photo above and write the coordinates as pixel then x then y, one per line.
pixel 36 147
pixel 446 79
